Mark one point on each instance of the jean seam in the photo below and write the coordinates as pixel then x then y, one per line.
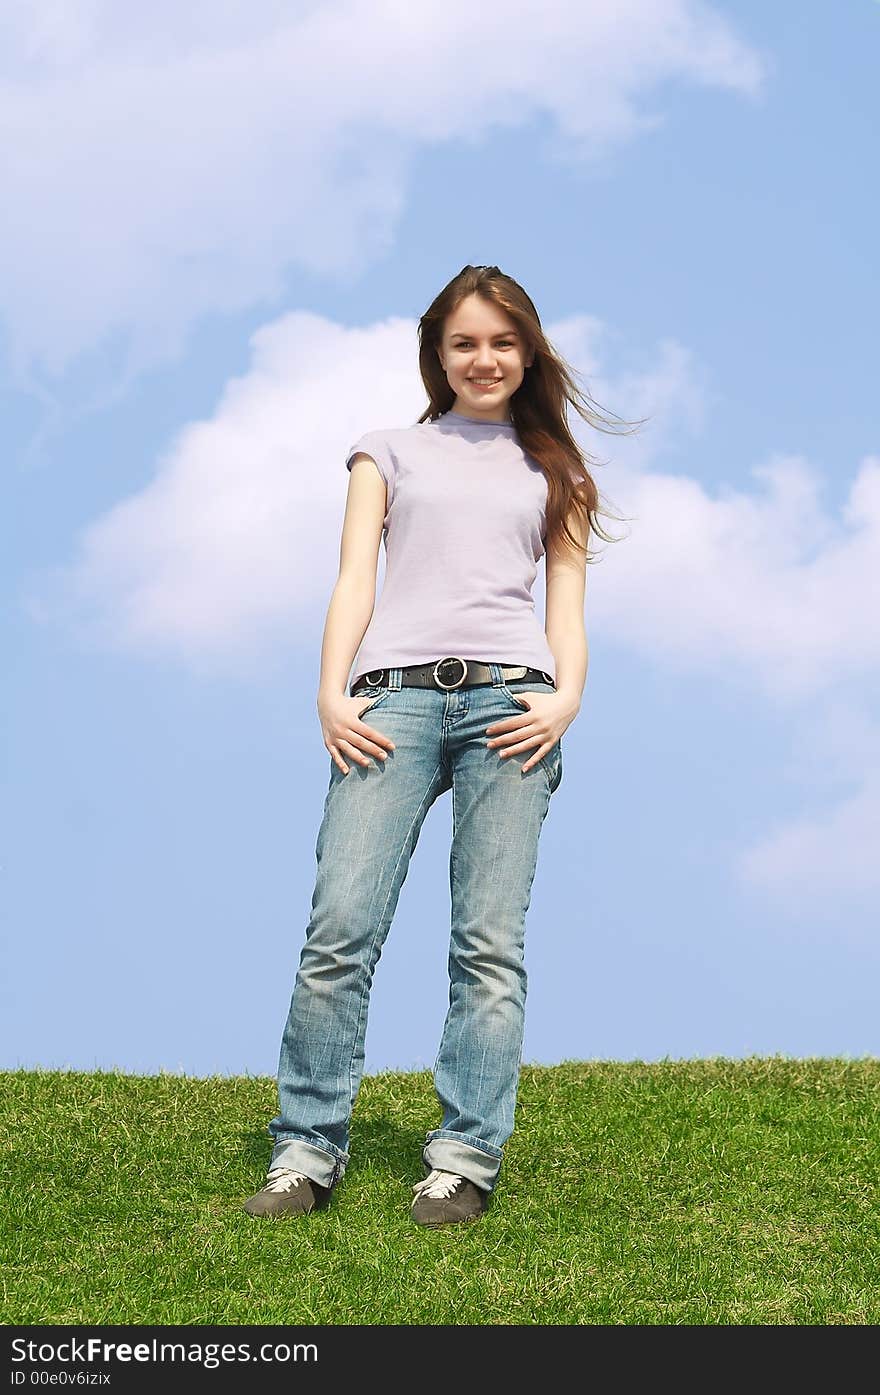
pixel 365 986
pixel 452 878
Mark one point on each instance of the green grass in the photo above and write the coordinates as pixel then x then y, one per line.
pixel 681 1192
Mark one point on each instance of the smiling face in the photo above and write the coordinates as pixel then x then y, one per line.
pixel 484 358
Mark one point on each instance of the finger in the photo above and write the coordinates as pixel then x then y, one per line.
pixel 502 738
pixel 533 760
pixel 517 749
pixel 378 738
pixel 355 751
pixel 369 746
pixel 360 743
pixel 507 724
pixel 510 724
pixel 337 759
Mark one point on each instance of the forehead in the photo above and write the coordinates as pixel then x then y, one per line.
pixel 475 317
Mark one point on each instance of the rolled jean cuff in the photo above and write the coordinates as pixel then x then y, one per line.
pixel 317 1164
pixel 479 1162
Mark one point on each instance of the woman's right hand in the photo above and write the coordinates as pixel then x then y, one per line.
pixel 345 734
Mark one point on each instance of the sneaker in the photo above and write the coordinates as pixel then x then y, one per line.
pixel 287 1193
pixel 444 1197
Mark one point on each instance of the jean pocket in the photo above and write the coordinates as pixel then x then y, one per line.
pixel 512 691
pixel 374 696
pixel 552 762
pixel 553 766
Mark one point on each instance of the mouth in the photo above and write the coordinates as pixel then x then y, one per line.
pixel 485 383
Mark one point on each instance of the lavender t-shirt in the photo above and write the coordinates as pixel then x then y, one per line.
pixel 464 531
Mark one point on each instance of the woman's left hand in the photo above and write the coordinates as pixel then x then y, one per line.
pixel 548 716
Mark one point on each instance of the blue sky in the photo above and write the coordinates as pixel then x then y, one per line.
pixel 221 227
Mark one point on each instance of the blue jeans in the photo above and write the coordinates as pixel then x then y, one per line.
pixel 371 822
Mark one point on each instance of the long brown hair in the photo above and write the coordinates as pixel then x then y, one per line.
pixel 537 408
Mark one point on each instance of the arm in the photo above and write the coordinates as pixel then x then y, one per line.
pixel 564 613
pixel 354 595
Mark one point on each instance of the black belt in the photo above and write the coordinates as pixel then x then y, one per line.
pixel 449 674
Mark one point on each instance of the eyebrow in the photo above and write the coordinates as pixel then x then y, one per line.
pixel 504 334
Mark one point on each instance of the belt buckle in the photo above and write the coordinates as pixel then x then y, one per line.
pixel 372 682
pixel 451 659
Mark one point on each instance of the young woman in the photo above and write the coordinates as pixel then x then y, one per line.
pixel 464 691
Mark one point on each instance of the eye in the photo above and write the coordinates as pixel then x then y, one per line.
pixel 466 343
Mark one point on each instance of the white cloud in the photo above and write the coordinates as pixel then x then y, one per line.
pixel 769 581
pixel 237 536
pixel 163 162
pixel 772 591
pixel 672 393
pixel 815 865
pixel 820 866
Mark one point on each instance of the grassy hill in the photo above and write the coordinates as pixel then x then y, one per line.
pixel 681 1192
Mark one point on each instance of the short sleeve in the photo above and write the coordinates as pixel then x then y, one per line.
pixel 375 445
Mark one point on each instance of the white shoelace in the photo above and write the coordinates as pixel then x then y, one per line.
pixel 438 1184
pixel 283 1179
